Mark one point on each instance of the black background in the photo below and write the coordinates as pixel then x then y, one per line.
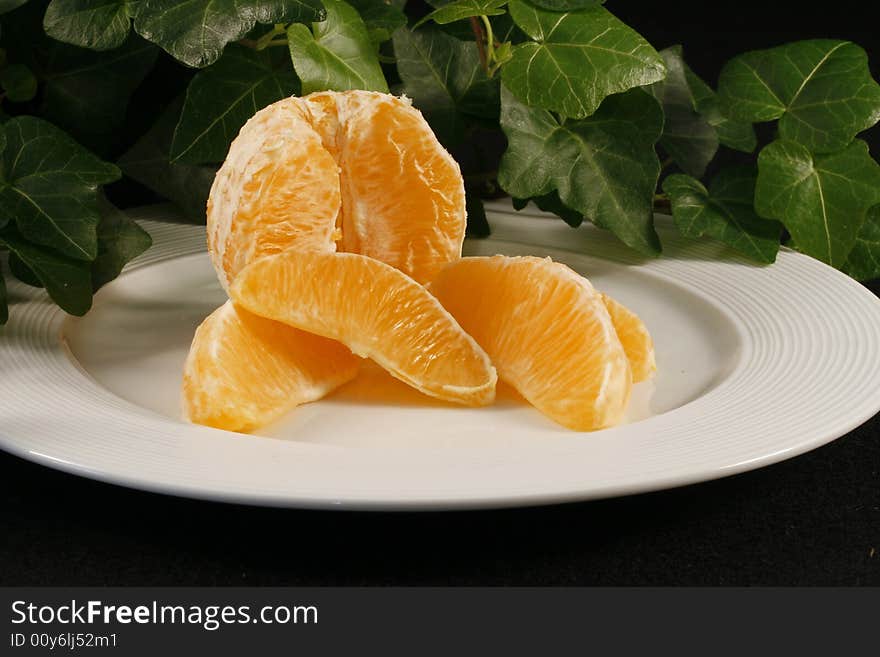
pixel 812 520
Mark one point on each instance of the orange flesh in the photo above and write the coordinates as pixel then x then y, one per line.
pixel 244 371
pixel 547 331
pixel 375 310
pixel 359 168
pixel 634 337
pixel 403 200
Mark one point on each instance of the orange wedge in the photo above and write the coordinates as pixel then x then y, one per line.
pixel 376 311
pixel 547 331
pixel 277 188
pixel 357 171
pixel 244 371
pixel 403 197
pixel 634 337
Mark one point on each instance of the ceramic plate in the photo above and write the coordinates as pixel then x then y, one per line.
pixel 755 365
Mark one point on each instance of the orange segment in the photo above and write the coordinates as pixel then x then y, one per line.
pixel 634 337
pixel 375 310
pixel 403 196
pixel 244 371
pixel 548 333
pixel 278 187
pixel 360 168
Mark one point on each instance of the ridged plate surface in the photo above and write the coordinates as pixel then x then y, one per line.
pixel 756 365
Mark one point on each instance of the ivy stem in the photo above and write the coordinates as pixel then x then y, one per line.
pixel 481 46
pixel 268 38
pixel 668 162
pixel 490 37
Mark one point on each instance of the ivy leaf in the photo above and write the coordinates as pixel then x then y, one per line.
pixel 222 97
pixel 49 187
pixel 22 272
pixel 864 260
pixel 381 18
pixel 93 24
pixel 552 203
pixel 738 135
pixel 460 9
pixel 335 54
pixel 148 163
pixel 688 138
pixel 603 167
pixel 725 212
pixel 821 91
pixel 445 79
pixel 18 82
pixel 196 31
pixel 566 5
pixel 821 199
pixel 120 240
pixel 576 59
pixel 87 93
pixel 67 281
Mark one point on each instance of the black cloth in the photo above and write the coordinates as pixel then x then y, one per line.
pixel 814 519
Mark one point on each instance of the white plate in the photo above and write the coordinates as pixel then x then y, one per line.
pixel 755 365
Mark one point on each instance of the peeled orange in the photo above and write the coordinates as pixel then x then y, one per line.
pixel 356 171
pixel 244 371
pixel 546 330
pixel 376 311
pixel 634 337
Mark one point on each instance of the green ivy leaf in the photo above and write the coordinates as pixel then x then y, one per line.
pixel 725 212
pixel 50 185
pixel 87 93
pixel 460 9
pixel 604 167
pixel 738 135
pixel 576 59
pixel 552 203
pixel 9 5
pixel 688 138
pixel 445 79
pixel 336 54
pixel 94 24
pixel 821 91
pixel 864 260
pixel 67 281
pixel 196 31
pixel 566 5
pixel 18 82
pixel 22 272
pixel 222 97
pixel 120 240
pixel 148 163
pixel 381 18
pixel 821 199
